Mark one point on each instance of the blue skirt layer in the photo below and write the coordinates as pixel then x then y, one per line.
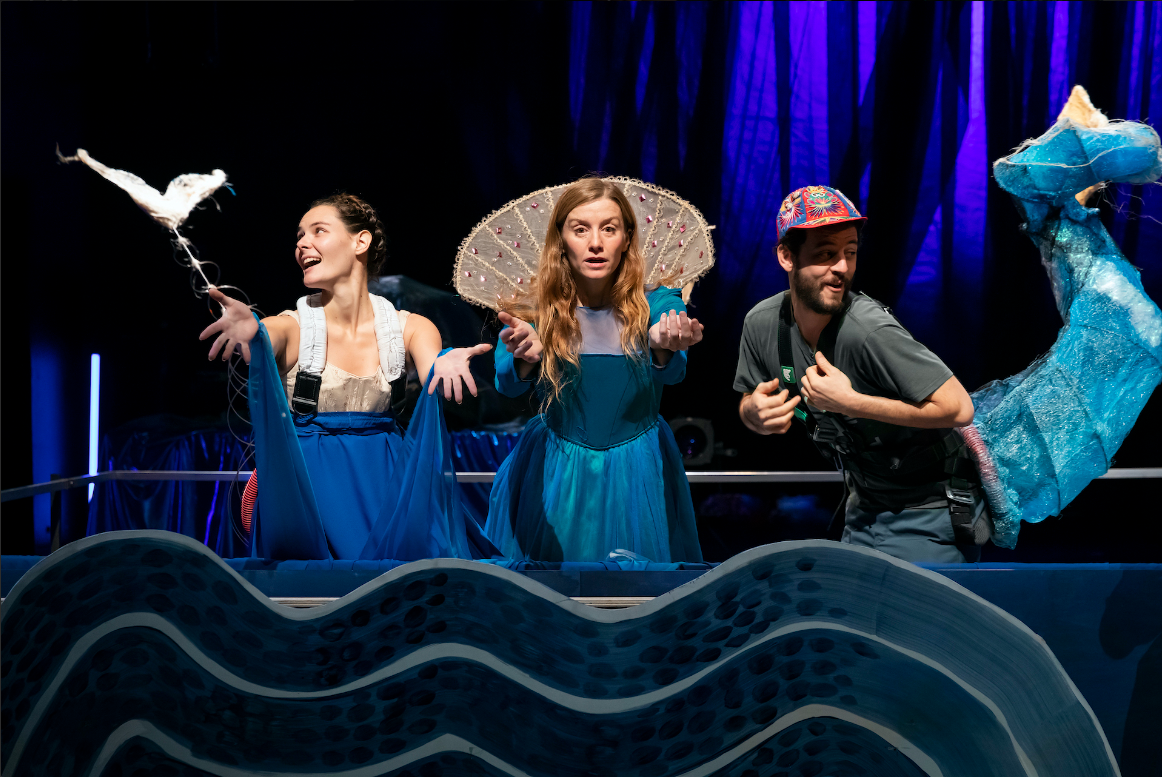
pixel 350 485
pixel 556 500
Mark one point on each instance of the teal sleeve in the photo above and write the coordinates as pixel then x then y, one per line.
pixel 508 380
pixel 662 300
pixel 673 372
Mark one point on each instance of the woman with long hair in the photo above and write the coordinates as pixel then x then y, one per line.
pixel 338 478
pixel 597 470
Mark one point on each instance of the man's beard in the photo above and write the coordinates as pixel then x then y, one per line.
pixel 812 296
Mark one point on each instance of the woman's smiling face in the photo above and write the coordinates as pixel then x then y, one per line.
pixel 595 239
pixel 326 251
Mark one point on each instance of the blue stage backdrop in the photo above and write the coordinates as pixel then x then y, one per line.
pixel 902 105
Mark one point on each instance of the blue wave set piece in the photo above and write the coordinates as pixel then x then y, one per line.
pixel 142 653
pixel 1042 435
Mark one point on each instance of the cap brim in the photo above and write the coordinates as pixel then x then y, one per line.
pixel 827 222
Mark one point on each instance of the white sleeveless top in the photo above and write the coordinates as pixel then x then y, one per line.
pixel 343 392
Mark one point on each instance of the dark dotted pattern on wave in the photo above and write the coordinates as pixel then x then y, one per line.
pixel 823 746
pixel 139 673
pixel 204 601
pixel 207 604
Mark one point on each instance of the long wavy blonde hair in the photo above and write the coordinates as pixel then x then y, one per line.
pixel 551 302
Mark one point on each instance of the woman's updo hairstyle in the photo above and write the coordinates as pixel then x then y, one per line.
pixel 357 216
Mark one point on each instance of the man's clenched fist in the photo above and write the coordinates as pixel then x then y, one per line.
pixel 766 409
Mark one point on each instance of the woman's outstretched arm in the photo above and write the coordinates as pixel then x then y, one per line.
pixel 423 343
pixel 237 327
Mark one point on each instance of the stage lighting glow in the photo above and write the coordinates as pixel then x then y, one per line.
pixel 94 413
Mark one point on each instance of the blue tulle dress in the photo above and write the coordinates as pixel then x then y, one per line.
pixel 600 470
pixel 351 485
pixel 1040 437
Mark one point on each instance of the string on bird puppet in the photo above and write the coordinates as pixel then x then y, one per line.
pixel 182 196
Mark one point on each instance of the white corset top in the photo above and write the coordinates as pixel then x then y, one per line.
pixel 342 392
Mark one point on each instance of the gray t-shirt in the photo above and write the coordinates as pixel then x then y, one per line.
pixel 879 356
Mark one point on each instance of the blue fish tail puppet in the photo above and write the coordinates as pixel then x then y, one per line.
pixel 1042 435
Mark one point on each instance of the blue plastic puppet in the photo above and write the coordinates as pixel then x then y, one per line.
pixel 1039 437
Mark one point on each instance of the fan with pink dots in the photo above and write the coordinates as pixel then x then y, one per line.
pixel 499 257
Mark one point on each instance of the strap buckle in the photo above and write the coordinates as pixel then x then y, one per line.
pixel 825 434
pixel 958 495
pixel 960 511
pixel 305 397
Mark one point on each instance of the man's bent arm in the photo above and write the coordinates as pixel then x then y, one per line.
pixel 948 406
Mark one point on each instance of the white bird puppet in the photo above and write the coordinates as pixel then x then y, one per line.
pixel 171 209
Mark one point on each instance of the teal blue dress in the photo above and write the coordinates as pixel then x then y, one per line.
pixel 599 470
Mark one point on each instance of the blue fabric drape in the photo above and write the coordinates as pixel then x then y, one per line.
pixel 350 485
pixel 480 451
pixel 203 511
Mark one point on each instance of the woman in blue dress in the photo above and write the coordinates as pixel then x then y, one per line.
pixel 597 470
pixel 339 480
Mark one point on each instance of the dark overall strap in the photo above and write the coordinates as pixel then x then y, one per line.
pixel 824 437
pixel 399 398
pixel 787 374
pixel 961 488
pixel 826 346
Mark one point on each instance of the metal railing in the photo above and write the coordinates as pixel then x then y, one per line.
pixel 740 476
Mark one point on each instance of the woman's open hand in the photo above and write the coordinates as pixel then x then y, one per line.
pixel 520 338
pixel 236 328
pixel 675 332
pixel 452 369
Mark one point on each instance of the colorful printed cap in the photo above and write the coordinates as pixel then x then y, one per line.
pixel 815 206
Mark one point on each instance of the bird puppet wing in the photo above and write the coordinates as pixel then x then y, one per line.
pixel 170 209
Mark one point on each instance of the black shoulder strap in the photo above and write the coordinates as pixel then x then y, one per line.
pixel 787 357
pixel 826 345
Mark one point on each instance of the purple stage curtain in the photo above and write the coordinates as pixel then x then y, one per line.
pixel 902 105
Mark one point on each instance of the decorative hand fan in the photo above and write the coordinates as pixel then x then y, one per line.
pixel 500 255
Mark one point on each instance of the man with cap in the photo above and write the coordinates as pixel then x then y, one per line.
pixel 879 404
